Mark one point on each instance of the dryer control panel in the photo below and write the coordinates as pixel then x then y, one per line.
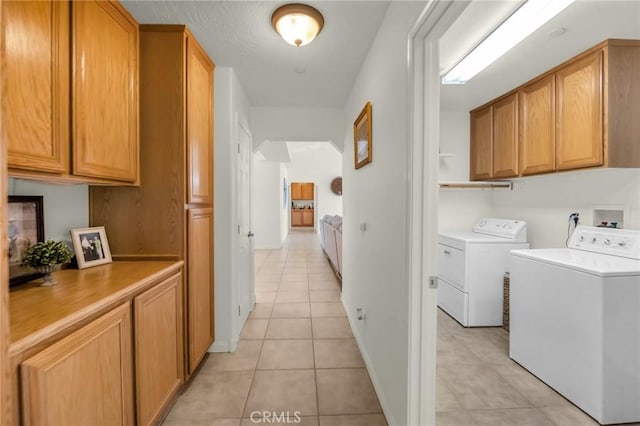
pixel 506 228
pixel 616 242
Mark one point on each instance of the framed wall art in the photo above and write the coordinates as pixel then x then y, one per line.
pixel 362 145
pixel 91 246
pixel 25 228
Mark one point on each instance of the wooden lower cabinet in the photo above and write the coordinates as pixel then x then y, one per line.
pixel 296 218
pixel 85 378
pixel 307 218
pixel 159 348
pixel 200 327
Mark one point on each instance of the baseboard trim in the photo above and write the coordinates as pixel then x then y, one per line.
pixel 391 421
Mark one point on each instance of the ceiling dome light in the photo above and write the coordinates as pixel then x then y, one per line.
pixel 298 24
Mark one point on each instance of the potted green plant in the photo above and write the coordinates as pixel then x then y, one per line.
pixel 46 257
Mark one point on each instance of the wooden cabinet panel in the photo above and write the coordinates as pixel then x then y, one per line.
pixel 104 91
pixel 296 191
pixel 296 218
pixel 307 191
pixel 35 84
pixel 199 284
pixel 481 144
pixel 200 124
pixel 505 137
pixel 85 378
pixel 537 127
pixel 579 106
pixel 159 348
pixel 307 217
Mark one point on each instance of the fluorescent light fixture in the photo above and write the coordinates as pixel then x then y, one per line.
pixel 524 21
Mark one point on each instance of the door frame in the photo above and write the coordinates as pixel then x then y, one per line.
pixel 422 214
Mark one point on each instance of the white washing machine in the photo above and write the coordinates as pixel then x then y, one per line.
pixel 471 267
pixel 575 320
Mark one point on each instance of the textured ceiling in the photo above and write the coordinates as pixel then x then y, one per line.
pixel 238 34
pixel 587 23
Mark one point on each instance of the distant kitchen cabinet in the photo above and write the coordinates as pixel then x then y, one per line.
pixel 537 126
pixel 583 113
pixel 296 217
pixel 70 86
pixel 307 191
pixel 302 191
pixel 481 150
pixel 171 213
pixel 307 217
pixel 85 378
pixel 296 191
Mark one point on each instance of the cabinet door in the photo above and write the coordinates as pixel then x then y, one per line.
pixel 199 124
pixel 296 218
pixel 481 144
pixel 199 284
pixel 307 191
pixel 104 91
pixel 505 137
pixel 579 104
pixel 159 348
pixel 296 191
pixel 307 218
pixel 85 378
pixel 537 127
pixel 35 84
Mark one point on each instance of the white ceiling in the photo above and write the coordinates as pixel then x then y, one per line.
pixel 587 22
pixel 238 34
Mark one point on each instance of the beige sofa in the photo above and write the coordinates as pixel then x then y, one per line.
pixel 331 240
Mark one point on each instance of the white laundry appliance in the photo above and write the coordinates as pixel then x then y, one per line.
pixel 471 267
pixel 575 320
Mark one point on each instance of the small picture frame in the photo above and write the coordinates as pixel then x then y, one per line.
pixel 25 228
pixel 362 145
pixel 91 246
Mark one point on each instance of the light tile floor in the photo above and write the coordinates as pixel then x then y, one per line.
pixel 296 355
pixel 478 384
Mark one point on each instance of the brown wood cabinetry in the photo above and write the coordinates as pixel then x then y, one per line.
pixel 70 90
pixel 171 213
pixel 481 165
pixel 200 291
pixel 537 127
pixel 62 385
pixel 505 137
pixel 307 191
pixel 296 217
pixel 302 191
pixel 35 95
pixel 307 217
pixel 296 191
pixel 583 113
pixel 159 348
pixel 104 91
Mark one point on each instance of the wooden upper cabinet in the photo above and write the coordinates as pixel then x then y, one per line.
pixel 85 378
pixel 307 191
pixel 579 138
pixel 505 137
pixel 200 288
pixel 537 126
pixel 104 91
pixel 199 124
pixel 296 191
pixel 159 348
pixel 481 150
pixel 35 84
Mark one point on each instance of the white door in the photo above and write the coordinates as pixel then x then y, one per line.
pixel 244 237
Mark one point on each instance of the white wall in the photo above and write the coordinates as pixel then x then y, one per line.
pixel 320 163
pixel 297 124
pixel 65 206
pixel 546 201
pixel 267 204
pixel 231 104
pixel 374 269
pixel 284 203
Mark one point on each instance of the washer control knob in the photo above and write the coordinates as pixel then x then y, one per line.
pixel 593 240
pixel 607 242
pixel 581 238
pixel 622 243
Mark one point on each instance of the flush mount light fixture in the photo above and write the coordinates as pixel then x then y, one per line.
pixel 298 24
pixel 524 21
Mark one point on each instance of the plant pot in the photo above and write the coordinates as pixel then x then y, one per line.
pixel 47 270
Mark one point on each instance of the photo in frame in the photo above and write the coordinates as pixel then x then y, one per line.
pixel 91 246
pixel 362 143
pixel 25 228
